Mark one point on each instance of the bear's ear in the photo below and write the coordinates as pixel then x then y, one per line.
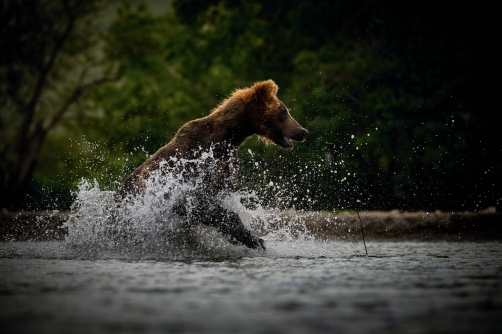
pixel 261 91
pixel 264 91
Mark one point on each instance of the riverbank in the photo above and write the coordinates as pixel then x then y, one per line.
pixel 403 225
pixel 394 225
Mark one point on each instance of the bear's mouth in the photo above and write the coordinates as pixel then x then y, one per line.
pixel 286 142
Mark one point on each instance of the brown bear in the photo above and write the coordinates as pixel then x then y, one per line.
pixel 248 111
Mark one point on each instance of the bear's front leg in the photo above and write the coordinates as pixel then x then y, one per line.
pixel 231 225
pixel 206 211
pixel 227 222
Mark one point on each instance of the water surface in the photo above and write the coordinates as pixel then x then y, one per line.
pixel 299 287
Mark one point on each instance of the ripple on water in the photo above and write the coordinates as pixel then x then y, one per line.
pixel 398 285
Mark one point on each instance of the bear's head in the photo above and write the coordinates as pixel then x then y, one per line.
pixel 270 117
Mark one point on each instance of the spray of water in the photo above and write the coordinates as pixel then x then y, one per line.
pixel 144 225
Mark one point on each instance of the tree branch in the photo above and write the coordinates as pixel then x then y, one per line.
pixel 34 143
pixel 44 71
pixel 77 92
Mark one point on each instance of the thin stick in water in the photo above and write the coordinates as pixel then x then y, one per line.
pixel 362 231
pixel 353 231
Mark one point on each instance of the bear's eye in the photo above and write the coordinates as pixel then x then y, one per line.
pixel 283 114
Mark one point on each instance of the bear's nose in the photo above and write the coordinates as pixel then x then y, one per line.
pixel 305 132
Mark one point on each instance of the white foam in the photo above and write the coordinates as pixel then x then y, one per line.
pixel 144 226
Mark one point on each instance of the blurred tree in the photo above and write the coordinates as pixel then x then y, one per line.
pixel 398 88
pixel 50 56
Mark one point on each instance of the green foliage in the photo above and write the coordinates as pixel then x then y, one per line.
pixel 50 57
pixel 356 74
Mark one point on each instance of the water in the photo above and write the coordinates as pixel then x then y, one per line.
pixel 401 287
pixel 145 225
pixel 133 266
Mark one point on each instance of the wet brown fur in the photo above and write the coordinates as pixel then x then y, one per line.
pixel 248 111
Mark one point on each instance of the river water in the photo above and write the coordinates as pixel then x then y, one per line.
pixel 159 274
pixel 294 287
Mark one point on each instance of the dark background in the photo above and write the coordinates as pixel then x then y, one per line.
pixel 405 92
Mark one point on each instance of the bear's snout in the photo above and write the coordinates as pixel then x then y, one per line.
pixel 297 133
pixel 305 132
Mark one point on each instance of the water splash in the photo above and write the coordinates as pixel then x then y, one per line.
pixel 144 225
